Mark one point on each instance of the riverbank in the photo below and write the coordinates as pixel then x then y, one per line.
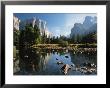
pixel 59 46
pixel 90 49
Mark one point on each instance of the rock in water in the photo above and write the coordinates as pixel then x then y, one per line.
pixel 89 65
pixel 26 56
pixel 65 68
pixel 56 58
pixel 59 62
pixel 72 65
pixel 66 56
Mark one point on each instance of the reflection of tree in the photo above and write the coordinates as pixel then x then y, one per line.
pixel 31 62
pixel 28 59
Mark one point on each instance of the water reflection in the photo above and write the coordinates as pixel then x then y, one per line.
pixel 50 62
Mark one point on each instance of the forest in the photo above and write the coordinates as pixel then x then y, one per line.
pixel 31 36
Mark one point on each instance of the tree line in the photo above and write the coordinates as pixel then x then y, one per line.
pixel 31 35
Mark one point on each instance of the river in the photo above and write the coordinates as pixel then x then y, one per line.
pixel 50 62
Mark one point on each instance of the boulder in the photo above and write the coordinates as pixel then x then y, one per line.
pixel 65 68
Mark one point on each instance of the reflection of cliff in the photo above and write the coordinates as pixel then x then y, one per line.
pixel 31 62
pixel 78 59
pixel 44 58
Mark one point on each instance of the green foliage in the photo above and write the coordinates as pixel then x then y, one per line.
pixel 30 36
pixel 63 43
pixel 37 35
pixel 90 38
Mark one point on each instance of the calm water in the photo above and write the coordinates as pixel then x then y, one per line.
pixel 50 62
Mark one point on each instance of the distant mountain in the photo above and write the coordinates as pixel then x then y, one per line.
pixel 88 22
pixel 77 29
pixel 88 26
pixel 93 28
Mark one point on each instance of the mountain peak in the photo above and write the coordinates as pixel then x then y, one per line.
pixel 87 26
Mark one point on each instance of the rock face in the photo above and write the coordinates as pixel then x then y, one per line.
pixel 16 22
pixel 41 24
pixel 89 21
pixel 77 29
pixel 89 25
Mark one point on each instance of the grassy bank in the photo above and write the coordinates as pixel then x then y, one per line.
pixel 90 49
pixel 69 46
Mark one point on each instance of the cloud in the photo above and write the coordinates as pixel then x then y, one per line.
pixel 61 30
pixel 56 31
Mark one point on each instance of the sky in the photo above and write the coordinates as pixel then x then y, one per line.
pixel 57 23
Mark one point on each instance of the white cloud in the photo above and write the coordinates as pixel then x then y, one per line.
pixel 62 30
pixel 56 31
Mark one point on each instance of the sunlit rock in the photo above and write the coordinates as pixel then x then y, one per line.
pixel 65 68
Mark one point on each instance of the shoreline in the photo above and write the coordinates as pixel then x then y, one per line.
pixel 75 47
